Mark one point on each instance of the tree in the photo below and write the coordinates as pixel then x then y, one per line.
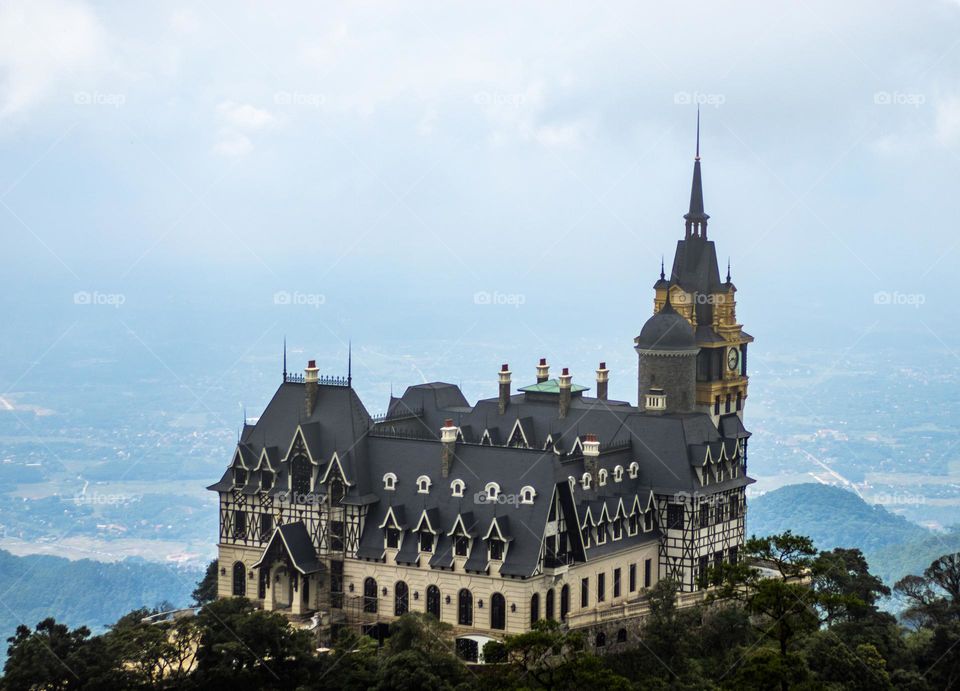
pixel 206 590
pixel 420 654
pixel 847 589
pixel 241 646
pixel 155 654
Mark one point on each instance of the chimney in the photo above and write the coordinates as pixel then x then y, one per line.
pixel 591 456
pixel 312 383
pixel 504 387
pixel 565 381
pixel 448 441
pixel 543 371
pixel 603 377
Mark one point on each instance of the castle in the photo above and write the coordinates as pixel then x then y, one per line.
pixel 540 503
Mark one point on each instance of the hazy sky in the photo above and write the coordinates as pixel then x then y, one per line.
pixel 383 164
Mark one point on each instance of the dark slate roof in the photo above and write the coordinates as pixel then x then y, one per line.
pixel 294 539
pixel 667 330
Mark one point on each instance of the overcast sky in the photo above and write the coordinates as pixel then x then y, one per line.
pixel 396 160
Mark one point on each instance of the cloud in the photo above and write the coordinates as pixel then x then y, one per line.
pixel 245 116
pixel 238 120
pixel 948 121
pixel 44 43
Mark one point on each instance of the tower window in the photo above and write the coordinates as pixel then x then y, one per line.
pixel 728 404
pixel 739 400
pixel 716 405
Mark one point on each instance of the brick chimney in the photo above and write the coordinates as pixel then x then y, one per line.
pixel 311 379
pixel 566 380
pixel 603 378
pixel 448 446
pixel 543 371
pixel 591 456
pixel 504 399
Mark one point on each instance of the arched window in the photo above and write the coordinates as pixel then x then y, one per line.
pixel 618 473
pixel 622 636
pixel 369 595
pixel 493 490
pixel 423 485
pixel 498 612
pixel 457 487
pixel 239 579
pixel 300 475
pixel 401 598
pixel 433 600
pixel 527 495
pixel 634 469
pixel 601 639
pixel 534 609
pixel 550 598
pixel 465 608
pixel 564 602
pixel 390 481
pixel 585 480
pixel 602 477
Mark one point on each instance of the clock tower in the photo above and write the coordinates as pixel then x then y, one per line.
pixel 695 290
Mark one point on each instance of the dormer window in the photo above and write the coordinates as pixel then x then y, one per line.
pixel 423 485
pixel 390 482
pixel 457 487
pixel 585 481
pixel 426 541
pixel 393 538
pixel 496 549
pixel 602 477
pixel 618 473
pixel 585 535
pixel 527 495
pixel 634 469
pixel 632 525
pixel 618 529
pixel 461 545
pixel 266 480
pixel 648 521
pixel 602 533
pixel 239 477
pixel 492 490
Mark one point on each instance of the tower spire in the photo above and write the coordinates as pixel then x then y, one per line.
pixel 696 219
pixel 662 274
pixel 728 269
pixel 284 358
pixel 350 363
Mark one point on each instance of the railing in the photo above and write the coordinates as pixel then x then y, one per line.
pixel 397 415
pixel 401 434
pixel 294 378
pixel 627 609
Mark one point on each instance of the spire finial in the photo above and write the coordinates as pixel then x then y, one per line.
pixel 284 358
pixel 350 363
pixel 698 133
pixel 728 269
pixel 662 274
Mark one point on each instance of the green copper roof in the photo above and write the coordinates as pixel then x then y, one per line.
pixel 552 386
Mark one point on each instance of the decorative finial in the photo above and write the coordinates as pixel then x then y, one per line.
pixel 698 132
pixel 728 269
pixel 350 364
pixel 662 275
pixel 284 358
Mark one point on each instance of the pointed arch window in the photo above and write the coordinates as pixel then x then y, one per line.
pixel 534 608
pixel 336 491
pixel 564 602
pixel 550 604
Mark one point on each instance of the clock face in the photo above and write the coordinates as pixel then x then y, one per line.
pixel 733 358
